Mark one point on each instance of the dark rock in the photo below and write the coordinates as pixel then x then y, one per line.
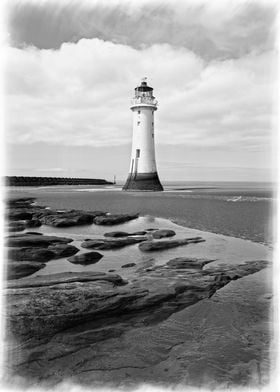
pixel 22 202
pixel 117 234
pixel 111 244
pixel 33 233
pixel 86 258
pixel 42 212
pixel 163 233
pixel 33 223
pixel 63 250
pixel 20 225
pixel 149 246
pixel 50 303
pixel 19 269
pixel 111 270
pixel 23 210
pixel 15 215
pixel 66 278
pixel 16 226
pixel 30 254
pixel 32 240
pixel 151 229
pixel 94 214
pixel 128 265
pixel 114 219
pixel 67 219
pixel 187 262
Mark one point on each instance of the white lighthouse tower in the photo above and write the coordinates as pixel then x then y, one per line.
pixel 143 174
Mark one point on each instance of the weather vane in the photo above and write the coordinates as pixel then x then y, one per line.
pixel 144 79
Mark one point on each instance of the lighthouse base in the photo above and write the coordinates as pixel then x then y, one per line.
pixel 143 182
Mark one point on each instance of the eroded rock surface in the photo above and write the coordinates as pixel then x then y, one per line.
pixel 33 215
pixel 63 250
pixel 86 258
pixel 163 233
pixel 128 265
pixel 149 246
pixel 16 226
pixel 119 234
pixel 106 244
pixel 30 254
pixel 20 269
pixel 33 240
pixel 67 219
pixel 46 304
pixel 188 263
pixel 114 219
pixel 83 325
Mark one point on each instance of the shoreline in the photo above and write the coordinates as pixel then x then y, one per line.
pixel 270 246
pixel 166 318
pixel 216 216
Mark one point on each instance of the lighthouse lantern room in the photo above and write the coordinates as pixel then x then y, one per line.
pixel 143 174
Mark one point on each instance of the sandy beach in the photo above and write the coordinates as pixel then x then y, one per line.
pixel 247 219
pixel 220 340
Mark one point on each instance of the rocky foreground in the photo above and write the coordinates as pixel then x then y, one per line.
pixel 28 252
pixel 56 323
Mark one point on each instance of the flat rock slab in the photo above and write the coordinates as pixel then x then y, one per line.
pixel 67 219
pixel 16 215
pixel 188 262
pixel 34 222
pixel 114 219
pixel 20 202
pixel 86 258
pixel 150 246
pixel 66 277
pixel 15 226
pixel 33 240
pixel 163 233
pixel 35 215
pixel 119 234
pixel 35 254
pixel 43 305
pixel 20 269
pixel 107 244
pixel 128 265
pixel 63 250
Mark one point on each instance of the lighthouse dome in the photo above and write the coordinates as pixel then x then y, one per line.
pixel 143 87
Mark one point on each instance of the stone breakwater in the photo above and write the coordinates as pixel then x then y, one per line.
pixel 54 322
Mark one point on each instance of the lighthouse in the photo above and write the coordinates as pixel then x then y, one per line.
pixel 143 174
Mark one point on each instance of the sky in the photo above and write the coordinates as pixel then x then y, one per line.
pixel 71 70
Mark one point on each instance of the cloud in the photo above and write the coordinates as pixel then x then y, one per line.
pixel 211 29
pixel 80 95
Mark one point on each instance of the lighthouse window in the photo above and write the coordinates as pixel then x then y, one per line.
pixel 138 122
pixel 138 153
pixel 139 111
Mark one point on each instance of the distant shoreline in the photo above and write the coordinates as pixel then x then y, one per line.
pixel 48 181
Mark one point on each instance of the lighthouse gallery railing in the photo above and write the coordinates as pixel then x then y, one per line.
pixel 145 100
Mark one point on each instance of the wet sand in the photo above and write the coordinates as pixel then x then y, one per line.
pixel 247 219
pixel 223 341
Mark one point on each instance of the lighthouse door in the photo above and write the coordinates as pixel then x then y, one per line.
pixel 136 161
pixel 132 164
